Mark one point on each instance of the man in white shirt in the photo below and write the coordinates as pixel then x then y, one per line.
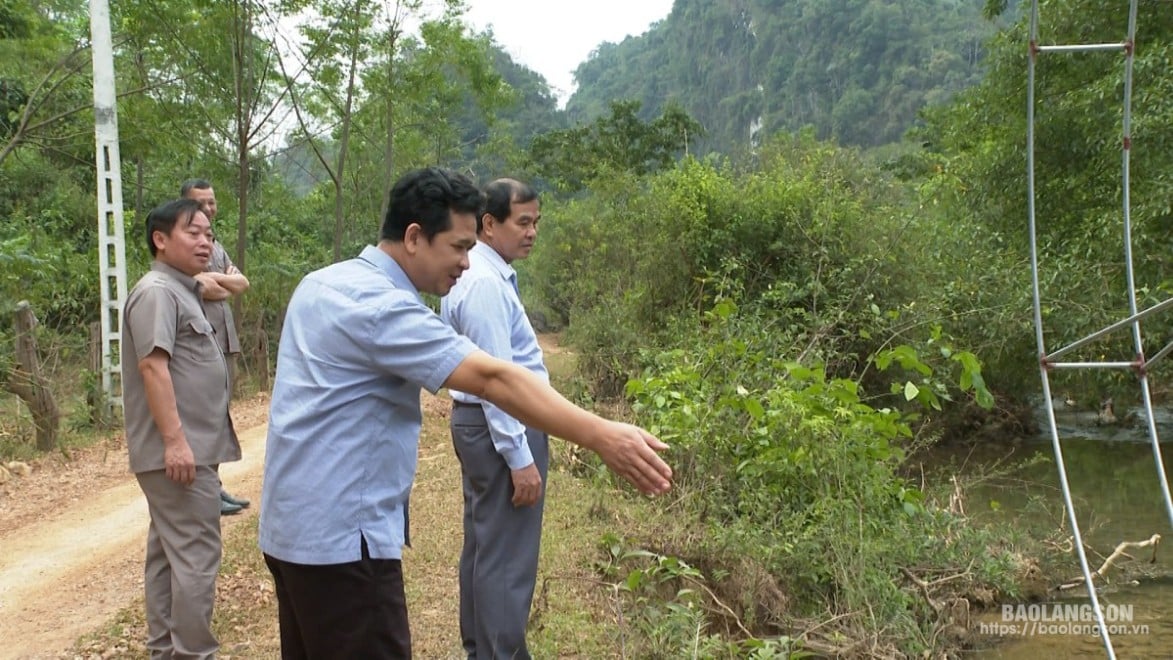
pixel 503 463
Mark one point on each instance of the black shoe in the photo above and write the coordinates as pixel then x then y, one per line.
pixel 225 497
pixel 228 508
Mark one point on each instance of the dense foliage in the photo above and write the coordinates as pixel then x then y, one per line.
pixel 775 324
pixel 857 71
pixel 975 170
pixel 793 312
pixel 829 246
pixel 792 472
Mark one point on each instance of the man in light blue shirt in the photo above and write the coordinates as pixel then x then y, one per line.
pixel 503 464
pixel 356 346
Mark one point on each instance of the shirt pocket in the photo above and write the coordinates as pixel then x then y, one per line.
pixel 200 341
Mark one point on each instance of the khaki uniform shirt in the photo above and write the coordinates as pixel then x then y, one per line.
pixel 164 311
pixel 220 311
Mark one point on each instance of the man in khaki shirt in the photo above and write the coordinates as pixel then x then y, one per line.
pixel 221 280
pixel 177 430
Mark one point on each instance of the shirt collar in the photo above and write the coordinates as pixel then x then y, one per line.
pixel 381 260
pixel 503 269
pixel 186 280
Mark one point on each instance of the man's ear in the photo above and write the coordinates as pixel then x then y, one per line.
pixel 158 238
pixel 412 236
pixel 488 222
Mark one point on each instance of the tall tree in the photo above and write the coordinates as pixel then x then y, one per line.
pixel 572 157
pixel 375 96
pixel 44 79
pixel 977 161
pixel 338 37
pixel 414 93
pixel 224 56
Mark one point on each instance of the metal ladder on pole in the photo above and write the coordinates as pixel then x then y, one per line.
pixel 1051 361
pixel 111 234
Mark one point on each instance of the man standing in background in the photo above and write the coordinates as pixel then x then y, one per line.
pixel 503 464
pixel 221 281
pixel 177 430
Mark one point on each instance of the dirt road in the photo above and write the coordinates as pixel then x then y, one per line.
pixel 68 565
pixel 72 537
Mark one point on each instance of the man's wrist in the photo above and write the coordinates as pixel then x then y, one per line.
pixel 175 438
pixel 518 457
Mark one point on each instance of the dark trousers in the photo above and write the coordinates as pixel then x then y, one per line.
pixel 499 560
pixel 342 611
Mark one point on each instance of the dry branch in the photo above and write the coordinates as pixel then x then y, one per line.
pixel 1154 541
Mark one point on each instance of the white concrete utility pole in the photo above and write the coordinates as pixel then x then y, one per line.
pixel 111 236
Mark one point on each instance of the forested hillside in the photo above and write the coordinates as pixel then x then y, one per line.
pixel 856 70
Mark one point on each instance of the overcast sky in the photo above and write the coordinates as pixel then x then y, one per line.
pixel 553 37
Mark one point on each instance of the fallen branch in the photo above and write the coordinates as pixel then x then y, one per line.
pixel 1154 541
pixel 924 588
pixel 956 498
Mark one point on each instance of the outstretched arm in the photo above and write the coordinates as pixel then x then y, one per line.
pixel 627 450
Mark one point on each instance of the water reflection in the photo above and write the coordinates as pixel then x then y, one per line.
pixel 1117 498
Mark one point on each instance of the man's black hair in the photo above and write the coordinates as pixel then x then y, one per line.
pixel 165 216
pixel 501 195
pixel 193 184
pixel 429 197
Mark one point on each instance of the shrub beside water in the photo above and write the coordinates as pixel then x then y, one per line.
pixel 791 472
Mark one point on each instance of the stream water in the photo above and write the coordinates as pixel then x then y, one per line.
pixel 1114 483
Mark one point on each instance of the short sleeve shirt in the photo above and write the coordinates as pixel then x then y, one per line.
pixel 164 311
pixel 357 345
pixel 219 311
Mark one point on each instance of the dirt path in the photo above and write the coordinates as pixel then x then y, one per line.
pixel 72 537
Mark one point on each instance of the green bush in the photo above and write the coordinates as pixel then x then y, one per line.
pixel 790 467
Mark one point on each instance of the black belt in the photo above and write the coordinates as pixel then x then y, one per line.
pixel 464 404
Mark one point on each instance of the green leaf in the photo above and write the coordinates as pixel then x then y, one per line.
pixel 910 391
pixel 985 399
pixel 634 579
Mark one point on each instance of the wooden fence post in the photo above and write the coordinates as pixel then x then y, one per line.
pixel 28 381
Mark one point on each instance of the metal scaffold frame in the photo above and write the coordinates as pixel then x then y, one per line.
pixel 1049 361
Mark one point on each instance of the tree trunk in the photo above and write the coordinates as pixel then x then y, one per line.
pixel 343 146
pixel 243 166
pixel 28 382
pixel 139 216
pixel 95 396
pixel 389 137
pixel 262 358
pixel 246 89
